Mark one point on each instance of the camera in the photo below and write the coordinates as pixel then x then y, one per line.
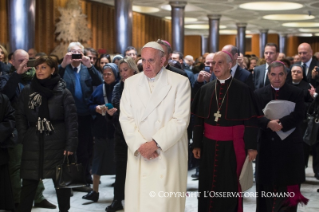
pixel 76 56
pixel 317 69
pixel 31 63
pixel 207 69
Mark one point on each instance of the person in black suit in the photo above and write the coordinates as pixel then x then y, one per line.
pixel 280 163
pixel 260 72
pixel 168 53
pixel 308 63
pixel 236 71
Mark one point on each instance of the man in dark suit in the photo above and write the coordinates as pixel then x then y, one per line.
pixel 236 71
pixel 168 53
pixel 80 77
pixel 260 72
pixel 308 63
pixel 280 163
pixel 178 56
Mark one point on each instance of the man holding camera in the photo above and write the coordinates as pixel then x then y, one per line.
pixel 80 77
pixel 308 64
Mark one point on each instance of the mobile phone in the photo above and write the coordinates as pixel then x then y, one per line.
pixel 76 56
pixel 317 69
pixel 207 69
pixel 109 105
pixel 31 63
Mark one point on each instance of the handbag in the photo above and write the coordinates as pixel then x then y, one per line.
pixel 69 175
pixel 310 136
pixel 246 175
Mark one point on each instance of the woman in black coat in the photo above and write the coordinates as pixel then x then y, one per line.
pixel 127 69
pixel 46 120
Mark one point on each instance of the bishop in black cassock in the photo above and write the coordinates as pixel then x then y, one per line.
pixel 225 130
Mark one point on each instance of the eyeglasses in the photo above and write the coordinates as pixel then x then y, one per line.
pixel 76 51
pixel 298 72
pixel 130 54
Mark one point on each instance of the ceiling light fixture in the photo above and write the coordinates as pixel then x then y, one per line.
pixel 270 5
pixel 308 30
pixel 142 9
pixel 166 7
pixel 232 32
pixel 301 24
pixel 291 17
pixel 303 35
pixel 187 19
pixel 202 26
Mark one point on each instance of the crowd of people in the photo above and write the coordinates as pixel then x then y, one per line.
pixel 141 117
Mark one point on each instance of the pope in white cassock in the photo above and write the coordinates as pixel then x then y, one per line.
pixel 155 110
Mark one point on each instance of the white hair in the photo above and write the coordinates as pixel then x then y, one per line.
pixel 72 44
pixel 189 57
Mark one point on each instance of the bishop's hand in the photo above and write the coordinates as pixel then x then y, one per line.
pixel 252 153
pixel 274 125
pixel 196 152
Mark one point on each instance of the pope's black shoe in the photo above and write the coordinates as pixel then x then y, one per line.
pixel 116 205
pixel 92 195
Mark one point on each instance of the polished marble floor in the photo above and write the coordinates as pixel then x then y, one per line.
pixel 308 189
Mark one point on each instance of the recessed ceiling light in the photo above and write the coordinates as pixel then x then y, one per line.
pixel 291 17
pixel 143 9
pixel 202 26
pixel 228 32
pixel 308 30
pixel 166 7
pixel 301 24
pixel 270 5
pixel 303 35
pixel 232 32
pixel 187 19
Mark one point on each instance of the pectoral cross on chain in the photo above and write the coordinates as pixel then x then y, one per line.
pixel 217 115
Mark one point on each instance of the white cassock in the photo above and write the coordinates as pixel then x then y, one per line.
pixel 161 114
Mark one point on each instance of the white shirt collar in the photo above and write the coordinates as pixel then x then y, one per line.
pixel 308 63
pixel 223 81
pixel 233 70
pixel 295 83
pixel 276 89
pixel 79 68
pixel 156 77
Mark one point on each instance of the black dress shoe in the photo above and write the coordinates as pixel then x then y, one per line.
pixel 196 175
pixel 116 205
pixel 86 188
pixel 44 204
pixel 92 195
